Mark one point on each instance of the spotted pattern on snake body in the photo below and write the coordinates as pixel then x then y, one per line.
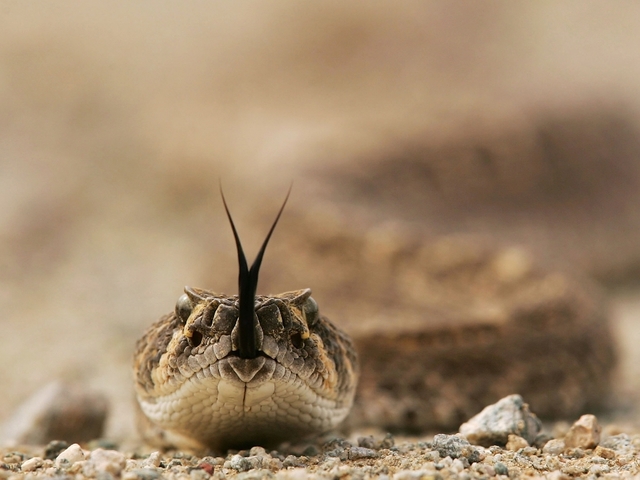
pixel 234 371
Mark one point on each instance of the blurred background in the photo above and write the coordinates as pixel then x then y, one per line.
pixel 517 121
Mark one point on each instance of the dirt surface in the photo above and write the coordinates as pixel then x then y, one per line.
pixel 518 123
pixel 367 456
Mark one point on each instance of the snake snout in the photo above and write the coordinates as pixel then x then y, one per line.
pixel 246 369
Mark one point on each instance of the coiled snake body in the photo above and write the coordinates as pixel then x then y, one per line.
pixel 236 371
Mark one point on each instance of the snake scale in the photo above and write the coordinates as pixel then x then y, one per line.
pixel 233 371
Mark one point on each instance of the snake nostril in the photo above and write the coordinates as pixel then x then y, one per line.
pixel 296 340
pixel 196 339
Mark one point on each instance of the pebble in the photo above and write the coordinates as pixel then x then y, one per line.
pixel 500 468
pixel 31 464
pixel 584 433
pixel 554 446
pixel 239 463
pixel 153 460
pixel 620 443
pixel 292 461
pixel 355 453
pixel 104 461
pixel 494 424
pixel 515 443
pixel 604 452
pixel 70 456
pixel 366 442
pixel 454 446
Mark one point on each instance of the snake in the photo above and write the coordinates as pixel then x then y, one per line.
pixel 233 371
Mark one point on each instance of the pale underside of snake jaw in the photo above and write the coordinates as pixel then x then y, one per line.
pixel 195 391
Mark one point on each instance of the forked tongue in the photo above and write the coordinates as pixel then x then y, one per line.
pixel 247 284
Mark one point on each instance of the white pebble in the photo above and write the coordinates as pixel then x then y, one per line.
pixel 153 460
pixel 554 446
pixel 457 465
pixel 70 456
pixel 257 452
pixel 104 461
pixel 32 464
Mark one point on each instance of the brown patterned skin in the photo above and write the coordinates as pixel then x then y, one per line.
pixel 194 390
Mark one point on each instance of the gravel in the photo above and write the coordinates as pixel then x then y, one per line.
pixel 359 457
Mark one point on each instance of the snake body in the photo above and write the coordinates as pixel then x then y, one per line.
pixel 233 371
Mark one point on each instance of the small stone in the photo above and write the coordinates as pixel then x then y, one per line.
pixel 339 452
pixel 257 452
pixel 500 468
pixel 576 452
pixel 515 443
pixel 376 443
pixel 274 464
pixel 104 461
pixel 604 452
pixel 207 467
pixel 554 446
pixel 489 470
pixel 361 452
pixel 457 465
pixel 621 443
pixel 366 442
pixel 585 433
pixel 13 457
pixel 153 460
pixel 494 424
pixel 292 461
pixel 239 463
pixel 387 442
pixel 31 464
pixel 432 456
pixel 254 461
pixel 69 456
pixel 454 446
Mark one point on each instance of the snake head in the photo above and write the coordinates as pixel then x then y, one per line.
pixel 233 371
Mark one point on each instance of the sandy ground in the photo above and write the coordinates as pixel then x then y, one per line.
pixel 117 122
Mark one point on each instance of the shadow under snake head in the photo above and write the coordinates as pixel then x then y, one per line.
pixel 233 371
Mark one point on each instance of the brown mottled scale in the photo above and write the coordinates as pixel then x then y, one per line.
pixel 194 390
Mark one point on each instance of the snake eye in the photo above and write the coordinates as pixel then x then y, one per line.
pixel 310 311
pixel 184 307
